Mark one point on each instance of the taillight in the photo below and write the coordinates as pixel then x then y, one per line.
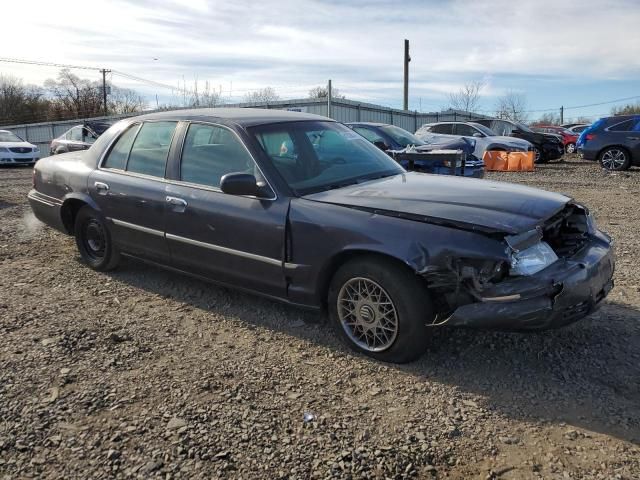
pixel 589 136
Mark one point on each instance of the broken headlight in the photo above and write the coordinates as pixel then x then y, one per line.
pixel 533 259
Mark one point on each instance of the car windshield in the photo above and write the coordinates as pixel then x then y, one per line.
pixel 523 127
pixel 486 130
pixel 314 156
pixel 401 136
pixel 9 137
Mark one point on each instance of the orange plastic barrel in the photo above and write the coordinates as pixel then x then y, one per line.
pixel 508 161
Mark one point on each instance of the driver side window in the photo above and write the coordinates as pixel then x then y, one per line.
pixel 210 152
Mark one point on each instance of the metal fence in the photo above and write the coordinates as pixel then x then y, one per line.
pixel 341 110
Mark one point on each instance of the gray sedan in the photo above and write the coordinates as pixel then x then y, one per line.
pixel 302 209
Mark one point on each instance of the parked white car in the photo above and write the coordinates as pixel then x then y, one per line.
pixel 485 138
pixel 15 151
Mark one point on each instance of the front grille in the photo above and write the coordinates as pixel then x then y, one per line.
pixel 567 231
pixel 20 149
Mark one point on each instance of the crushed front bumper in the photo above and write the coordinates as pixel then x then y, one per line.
pixel 563 293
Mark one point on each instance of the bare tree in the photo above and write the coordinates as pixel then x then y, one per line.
pixel 267 94
pixel 512 106
pixel 548 119
pixel 323 92
pixel 125 100
pixel 467 98
pixel 583 119
pixel 74 97
pixel 207 98
pixel 21 103
pixel 628 109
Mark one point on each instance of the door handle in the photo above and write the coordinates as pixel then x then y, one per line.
pixel 178 203
pixel 102 188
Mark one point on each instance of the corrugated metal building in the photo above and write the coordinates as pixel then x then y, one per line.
pixel 341 110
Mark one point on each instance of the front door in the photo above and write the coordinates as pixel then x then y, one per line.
pixel 232 239
pixel 129 188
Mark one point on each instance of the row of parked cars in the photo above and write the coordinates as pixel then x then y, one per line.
pixel 613 141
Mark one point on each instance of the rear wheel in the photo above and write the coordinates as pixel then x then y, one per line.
pixel 381 309
pixel 570 148
pixel 94 240
pixel 615 158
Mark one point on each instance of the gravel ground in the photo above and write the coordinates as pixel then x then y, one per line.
pixel 143 373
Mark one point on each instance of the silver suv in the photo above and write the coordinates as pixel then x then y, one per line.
pixel 486 139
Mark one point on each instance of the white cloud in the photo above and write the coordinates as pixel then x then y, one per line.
pixel 293 45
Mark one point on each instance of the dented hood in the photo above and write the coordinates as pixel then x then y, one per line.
pixel 471 204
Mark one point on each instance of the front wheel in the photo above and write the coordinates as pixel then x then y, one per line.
pixel 570 148
pixel 381 309
pixel 538 156
pixel 94 240
pixel 615 158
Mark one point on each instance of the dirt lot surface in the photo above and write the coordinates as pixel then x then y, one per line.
pixel 143 373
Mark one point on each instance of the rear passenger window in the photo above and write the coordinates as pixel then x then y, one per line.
pixel 624 126
pixel 150 149
pixel 118 155
pixel 443 128
pixel 210 152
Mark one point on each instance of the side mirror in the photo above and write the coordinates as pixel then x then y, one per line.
pixel 381 145
pixel 239 184
pixel 478 135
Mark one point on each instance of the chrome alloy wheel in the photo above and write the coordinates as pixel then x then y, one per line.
pixel 367 314
pixel 613 159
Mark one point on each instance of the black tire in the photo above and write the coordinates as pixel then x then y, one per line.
pixel 94 240
pixel 615 159
pixel 538 155
pixel 409 299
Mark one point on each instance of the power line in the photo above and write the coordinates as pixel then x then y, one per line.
pixel 46 64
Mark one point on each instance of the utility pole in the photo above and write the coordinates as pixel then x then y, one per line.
pixel 329 99
pixel 407 59
pixel 561 115
pixel 104 89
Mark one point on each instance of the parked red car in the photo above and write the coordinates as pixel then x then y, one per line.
pixel 569 138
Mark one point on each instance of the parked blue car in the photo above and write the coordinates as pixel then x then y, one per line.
pixel 410 151
pixel 612 141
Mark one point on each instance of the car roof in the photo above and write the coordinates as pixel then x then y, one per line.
pixel 243 116
pixel 622 117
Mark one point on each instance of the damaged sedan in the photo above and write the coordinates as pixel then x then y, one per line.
pixel 300 208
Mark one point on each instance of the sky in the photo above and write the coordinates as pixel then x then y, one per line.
pixel 567 52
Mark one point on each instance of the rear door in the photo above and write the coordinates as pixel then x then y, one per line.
pixel 129 187
pixel 626 133
pixel 238 240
